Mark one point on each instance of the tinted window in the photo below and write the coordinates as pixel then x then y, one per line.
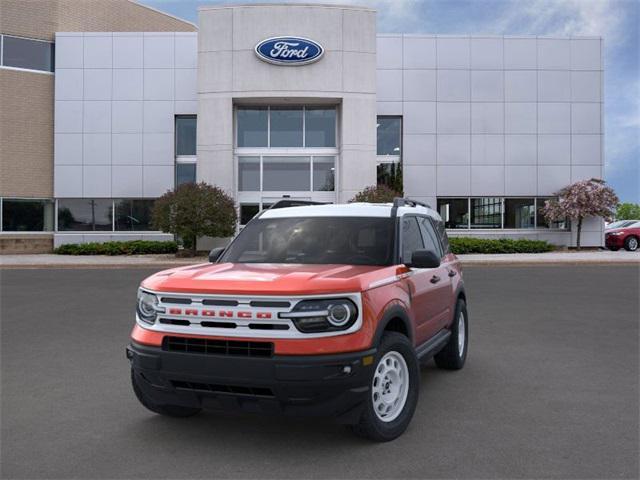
pixel 486 212
pixel 286 173
pixel 252 127
pixel 389 133
pixel 444 240
pixel 185 173
pixel 317 240
pixel 27 215
pixel 519 213
pixel 411 238
pixel 247 212
pixel 454 212
pixel 134 215
pixel 186 135
pixel 324 174
pixel 248 174
pixel 286 127
pixel 85 215
pixel 320 127
pixel 25 53
pixel 429 236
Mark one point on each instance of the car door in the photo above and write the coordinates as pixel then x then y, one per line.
pixel 422 284
pixel 443 291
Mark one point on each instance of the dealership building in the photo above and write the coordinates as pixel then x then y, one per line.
pixel 105 110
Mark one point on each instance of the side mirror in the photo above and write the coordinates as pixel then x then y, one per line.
pixel 424 259
pixel 214 254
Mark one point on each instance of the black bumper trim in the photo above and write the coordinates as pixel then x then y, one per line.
pixel 317 385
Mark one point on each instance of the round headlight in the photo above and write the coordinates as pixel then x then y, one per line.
pixel 339 314
pixel 147 306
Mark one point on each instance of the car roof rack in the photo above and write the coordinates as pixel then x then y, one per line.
pixel 408 202
pixel 289 202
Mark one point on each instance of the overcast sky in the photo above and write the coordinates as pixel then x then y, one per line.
pixel 616 20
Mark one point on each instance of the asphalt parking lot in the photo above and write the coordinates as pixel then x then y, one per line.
pixel 550 390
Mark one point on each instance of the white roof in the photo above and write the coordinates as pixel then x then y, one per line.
pixel 347 210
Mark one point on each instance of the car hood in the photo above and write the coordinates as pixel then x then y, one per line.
pixel 267 279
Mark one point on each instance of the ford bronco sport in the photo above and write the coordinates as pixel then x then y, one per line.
pixel 319 309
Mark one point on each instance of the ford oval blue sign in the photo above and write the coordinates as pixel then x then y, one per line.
pixel 289 51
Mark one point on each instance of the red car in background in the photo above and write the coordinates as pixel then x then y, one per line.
pixel 627 237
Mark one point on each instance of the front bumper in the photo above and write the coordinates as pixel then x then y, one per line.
pixel 315 385
pixel 614 240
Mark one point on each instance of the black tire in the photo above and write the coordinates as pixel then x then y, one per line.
pixel 631 243
pixel 450 357
pixel 370 426
pixel 167 410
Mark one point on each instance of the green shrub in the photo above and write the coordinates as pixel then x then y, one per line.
pixel 134 247
pixel 461 245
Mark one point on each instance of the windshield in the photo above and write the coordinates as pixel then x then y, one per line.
pixel 316 240
pixel 620 224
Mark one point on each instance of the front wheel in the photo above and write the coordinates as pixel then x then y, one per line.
pixel 454 354
pixel 393 396
pixel 631 244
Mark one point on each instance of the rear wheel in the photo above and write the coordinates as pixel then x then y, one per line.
pixel 631 243
pixel 167 410
pixel 454 354
pixel 393 396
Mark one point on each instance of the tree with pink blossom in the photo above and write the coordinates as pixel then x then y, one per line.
pixel 586 198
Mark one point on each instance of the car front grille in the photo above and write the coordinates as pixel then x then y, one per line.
pixel 208 346
pixel 215 388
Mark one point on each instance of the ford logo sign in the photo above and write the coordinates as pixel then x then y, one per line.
pixel 289 51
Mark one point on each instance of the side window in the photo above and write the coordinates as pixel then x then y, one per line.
pixel 411 238
pixel 431 241
pixel 444 240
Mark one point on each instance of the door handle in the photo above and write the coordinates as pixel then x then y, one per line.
pixel 452 273
pixel 435 279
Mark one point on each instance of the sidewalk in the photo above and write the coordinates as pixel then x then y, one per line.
pixel 169 261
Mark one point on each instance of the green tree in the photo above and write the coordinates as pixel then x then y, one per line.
pixel 195 210
pixel 376 194
pixel 628 211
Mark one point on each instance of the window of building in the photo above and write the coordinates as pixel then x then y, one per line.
pixel 324 174
pixel 133 215
pixel 411 238
pixel 389 133
pixel 186 129
pixel 454 212
pixel 27 215
pixel 18 52
pixel 320 127
pixel 541 221
pixel 519 213
pixel 286 174
pixel 486 212
pixel 185 172
pixel 185 145
pixel 85 215
pixel 248 211
pixel 253 127
pixel 389 150
pixel 286 127
pixel 249 174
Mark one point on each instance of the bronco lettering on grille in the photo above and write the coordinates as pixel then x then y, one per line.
pixel 194 312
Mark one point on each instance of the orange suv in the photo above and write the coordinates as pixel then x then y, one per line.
pixel 313 310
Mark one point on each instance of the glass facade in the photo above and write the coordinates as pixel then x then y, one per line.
pixel 186 129
pixel 85 215
pixel 185 173
pixel 133 215
pixel 495 212
pixel 248 211
pixel 27 215
pixel 324 174
pixel 18 52
pixel 286 174
pixel 248 174
pixel 286 127
pixel 389 135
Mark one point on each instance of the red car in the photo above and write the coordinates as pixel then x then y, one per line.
pixel 311 310
pixel 627 237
